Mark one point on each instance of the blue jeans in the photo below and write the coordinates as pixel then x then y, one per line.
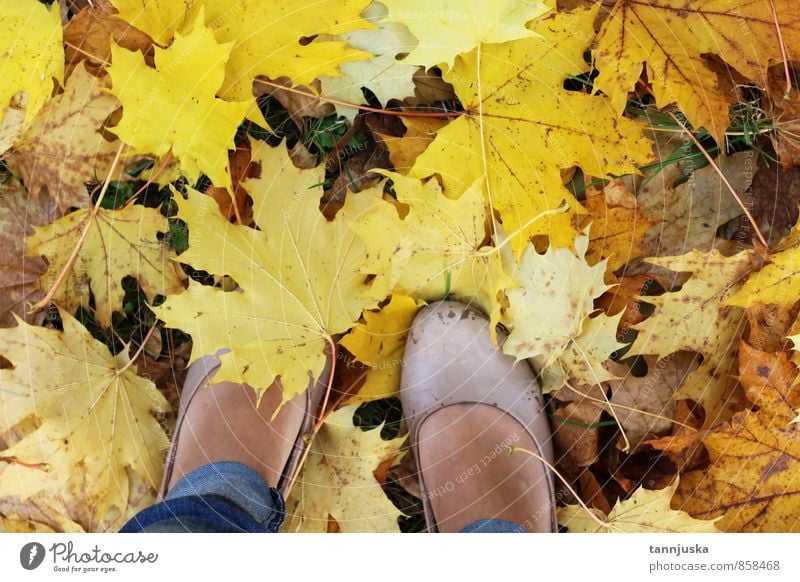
pixel 231 497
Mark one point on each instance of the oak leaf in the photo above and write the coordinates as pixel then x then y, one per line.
pixel 337 481
pixel 300 277
pixel 696 318
pixel 379 343
pixel 671 37
pixel 63 149
pixel 447 28
pixel 644 512
pixel 119 243
pixel 172 108
pixel 519 149
pixel 33 56
pixel 81 418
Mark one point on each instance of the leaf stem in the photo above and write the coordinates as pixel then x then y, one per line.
pixel 399 113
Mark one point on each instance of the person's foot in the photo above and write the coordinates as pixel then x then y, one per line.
pixel 222 422
pixel 465 403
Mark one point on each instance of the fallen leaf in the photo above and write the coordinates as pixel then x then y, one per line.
pixel 119 243
pixel 91 411
pixel 379 343
pixel 337 480
pixel 644 405
pixel 64 149
pixel 170 108
pixel 644 512
pixel 447 28
pixel 753 476
pixel 88 34
pixel 575 434
pixel 436 247
pixel 551 306
pixel 778 282
pixel 518 150
pixel 19 213
pixel 265 38
pixel 615 232
pixel 420 132
pixel 300 277
pixel 33 57
pixel 697 318
pixel 768 379
pixel 671 36
pixel 689 215
pixel 385 75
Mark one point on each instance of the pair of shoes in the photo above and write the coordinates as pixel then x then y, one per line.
pixel 464 401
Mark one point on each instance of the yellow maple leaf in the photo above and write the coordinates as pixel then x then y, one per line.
pixel 447 28
pixel 697 319
pixel 63 149
pixel 384 75
pixel 265 36
pixel 437 247
pixel 174 108
pixel 583 359
pixel 753 475
pixel 553 302
pixel 79 414
pixel 337 480
pixel 615 232
pixel 158 19
pixel 33 55
pixel 119 243
pixel 300 275
pixel 778 282
pixel 643 512
pixel 671 37
pixel 521 128
pixel 380 343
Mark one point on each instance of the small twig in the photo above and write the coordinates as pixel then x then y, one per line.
pixel 723 177
pixel 90 55
pixel 74 256
pixel 138 352
pixel 784 56
pixel 600 522
pixel 399 113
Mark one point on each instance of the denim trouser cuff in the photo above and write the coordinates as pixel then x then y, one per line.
pixel 219 497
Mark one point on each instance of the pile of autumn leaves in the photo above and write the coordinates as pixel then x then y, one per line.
pixel 82 435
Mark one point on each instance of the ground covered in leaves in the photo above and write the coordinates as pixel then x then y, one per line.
pixel 615 184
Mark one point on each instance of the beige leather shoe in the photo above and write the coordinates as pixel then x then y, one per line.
pixel 465 402
pixel 222 422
